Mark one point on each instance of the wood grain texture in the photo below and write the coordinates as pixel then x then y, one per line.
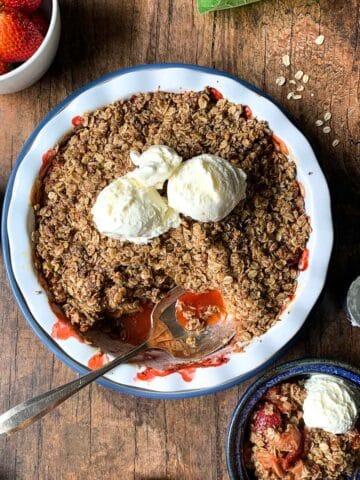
pixel 104 435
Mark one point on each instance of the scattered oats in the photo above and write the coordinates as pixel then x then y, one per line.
pixel 319 123
pixel 327 116
pixel 292 82
pixel 300 88
pixel 305 78
pixel 290 95
pixel 320 40
pixel 297 97
pixel 326 129
pixel 286 60
pixel 336 142
pixel 299 74
pixel 280 81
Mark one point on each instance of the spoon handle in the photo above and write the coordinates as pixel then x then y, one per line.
pixel 26 413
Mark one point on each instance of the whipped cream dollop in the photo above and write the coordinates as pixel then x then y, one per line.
pixel 331 404
pixel 129 210
pixel 156 165
pixel 206 188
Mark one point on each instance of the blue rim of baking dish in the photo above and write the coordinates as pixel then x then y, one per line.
pixel 254 393
pixel 44 336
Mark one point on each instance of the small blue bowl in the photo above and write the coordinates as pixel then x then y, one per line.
pixel 239 421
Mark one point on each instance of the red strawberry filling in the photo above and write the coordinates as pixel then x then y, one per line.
pixel 215 94
pixel 268 416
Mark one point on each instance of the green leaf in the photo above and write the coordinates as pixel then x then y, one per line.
pixel 211 5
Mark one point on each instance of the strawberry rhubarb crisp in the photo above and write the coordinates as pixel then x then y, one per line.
pixel 99 263
pixel 282 446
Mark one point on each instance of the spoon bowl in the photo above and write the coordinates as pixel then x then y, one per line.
pixel 174 339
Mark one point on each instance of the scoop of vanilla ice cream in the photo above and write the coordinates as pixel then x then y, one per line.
pixel 156 165
pixel 206 188
pixel 128 210
pixel 330 404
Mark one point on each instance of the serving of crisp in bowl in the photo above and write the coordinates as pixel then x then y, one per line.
pixel 298 420
pixel 266 258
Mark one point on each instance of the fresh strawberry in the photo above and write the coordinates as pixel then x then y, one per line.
pixel 19 38
pixel 27 6
pixel 4 67
pixel 40 21
pixel 268 416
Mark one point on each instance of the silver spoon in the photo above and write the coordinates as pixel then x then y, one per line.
pixel 165 334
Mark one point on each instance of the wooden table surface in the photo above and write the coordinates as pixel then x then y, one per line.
pixel 100 434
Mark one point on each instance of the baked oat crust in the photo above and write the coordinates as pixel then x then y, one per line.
pixel 251 256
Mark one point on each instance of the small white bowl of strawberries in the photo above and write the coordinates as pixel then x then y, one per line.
pixel 29 38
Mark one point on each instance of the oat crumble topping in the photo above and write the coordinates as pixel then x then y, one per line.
pixel 281 447
pixel 251 256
